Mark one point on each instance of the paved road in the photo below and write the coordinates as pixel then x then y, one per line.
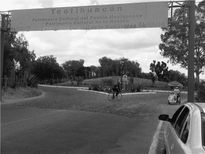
pixel 68 121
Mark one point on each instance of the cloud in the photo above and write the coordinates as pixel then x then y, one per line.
pixel 135 44
pixel 46 3
pixel 66 3
pixel 18 4
pixel 124 39
pixel 95 2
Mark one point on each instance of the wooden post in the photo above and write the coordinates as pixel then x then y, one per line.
pixel 192 21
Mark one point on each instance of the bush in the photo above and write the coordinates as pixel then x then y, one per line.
pixel 139 88
pixel 201 91
pixel 20 92
pixel 101 84
pixel 136 88
pixel 107 82
pixel 95 87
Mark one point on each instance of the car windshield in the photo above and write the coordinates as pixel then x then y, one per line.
pixel 203 129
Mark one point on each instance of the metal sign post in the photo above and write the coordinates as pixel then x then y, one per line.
pixel 192 21
pixel 0 68
pixel 1 56
pixel 3 28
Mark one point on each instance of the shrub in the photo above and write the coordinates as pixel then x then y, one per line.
pixel 136 88
pixel 139 88
pixel 95 86
pixel 32 81
pixel 107 82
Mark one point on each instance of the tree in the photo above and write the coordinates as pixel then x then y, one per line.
pixel 24 57
pixel 117 67
pixel 161 70
pixel 106 66
pixel 74 68
pixel 175 38
pixel 95 71
pixel 17 52
pixel 163 74
pixel 145 75
pixel 131 68
pixel 47 68
pixel 92 71
pixel 177 76
pixel 8 63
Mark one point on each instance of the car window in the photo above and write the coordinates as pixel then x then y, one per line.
pixel 185 131
pixel 176 114
pixel 181 120
pixel 203 128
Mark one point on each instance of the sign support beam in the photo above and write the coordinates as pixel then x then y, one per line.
pixel 1 67
pixel 1 57
pixel 3 28
pixel 191 85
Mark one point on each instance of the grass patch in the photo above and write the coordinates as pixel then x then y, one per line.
pixel 20 93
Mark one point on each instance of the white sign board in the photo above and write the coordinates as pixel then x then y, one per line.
pixel 129 15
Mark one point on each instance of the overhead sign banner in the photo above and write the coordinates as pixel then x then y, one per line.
pixel 129 15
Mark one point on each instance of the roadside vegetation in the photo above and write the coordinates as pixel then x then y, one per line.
pixel 20 93
pixel 134 84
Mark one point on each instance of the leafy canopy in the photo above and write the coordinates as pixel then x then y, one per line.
pixel 175 38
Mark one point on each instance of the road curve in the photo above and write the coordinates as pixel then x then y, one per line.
pixel 61 123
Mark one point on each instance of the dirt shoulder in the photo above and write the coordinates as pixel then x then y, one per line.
pixel 13 95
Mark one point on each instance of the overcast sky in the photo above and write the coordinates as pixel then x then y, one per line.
pixel 140 45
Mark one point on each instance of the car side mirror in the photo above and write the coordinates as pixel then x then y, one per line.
pixel 164 117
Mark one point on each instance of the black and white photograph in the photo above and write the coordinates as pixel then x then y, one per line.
pixel 102 77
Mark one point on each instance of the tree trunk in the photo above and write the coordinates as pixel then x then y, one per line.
pixel 197 80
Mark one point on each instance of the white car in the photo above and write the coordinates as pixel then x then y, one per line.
pixel 185 131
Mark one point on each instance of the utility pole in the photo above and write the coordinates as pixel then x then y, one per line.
pixel 191 85
pixel 191 34
pixel 3 28
pixel 1 55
